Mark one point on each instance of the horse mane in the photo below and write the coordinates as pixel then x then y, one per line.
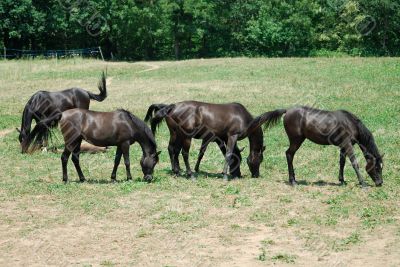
pixel 27 117
pixel 142 125
pixel 365 136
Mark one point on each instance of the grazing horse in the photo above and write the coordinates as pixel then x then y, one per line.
pixel 44 104
pixel 119 128
pixel 340 128
pixel 224 124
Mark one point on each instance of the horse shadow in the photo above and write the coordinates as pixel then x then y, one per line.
pixel 320 183
pixel 204 174
pixel 107 181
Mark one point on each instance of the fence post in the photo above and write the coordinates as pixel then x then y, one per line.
pixel 101 53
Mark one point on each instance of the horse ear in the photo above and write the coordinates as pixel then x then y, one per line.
pixel 18 130
pixel 264 147
pixel 242 149
pixel 158 153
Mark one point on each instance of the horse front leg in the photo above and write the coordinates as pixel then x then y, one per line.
pixel 342 162
pixel 117 160
pixel 229 150
pixel 350 153
pixel 203 149
pixel 236 160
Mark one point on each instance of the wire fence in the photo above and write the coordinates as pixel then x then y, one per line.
pixel 10 53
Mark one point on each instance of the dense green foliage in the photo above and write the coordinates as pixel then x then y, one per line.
pixel 163 29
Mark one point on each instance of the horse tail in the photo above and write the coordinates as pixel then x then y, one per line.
pixel 159 117
pixel 270 118
pixel 152 110
pixel 41 131
pixel 102 88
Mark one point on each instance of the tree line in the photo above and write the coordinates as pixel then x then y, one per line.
pixel 181 29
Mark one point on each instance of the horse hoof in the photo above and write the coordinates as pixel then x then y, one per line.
pixel 343 183
pixel 113 180
pixel 293 183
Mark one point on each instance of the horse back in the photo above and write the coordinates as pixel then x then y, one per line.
pixel 98 128
pixel 320 126
pixel 221 119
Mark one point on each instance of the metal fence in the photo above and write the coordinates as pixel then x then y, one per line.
pixel 10 53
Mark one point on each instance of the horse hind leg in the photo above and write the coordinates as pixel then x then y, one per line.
pixel 64 162
pixel 174 149
pixel 75 160
pixel 295 144
pixel 117 160
pixel 185 155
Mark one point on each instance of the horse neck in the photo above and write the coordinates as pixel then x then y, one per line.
pixel 26 120
pixel 256 140
pixel 367 143
pixel 145 142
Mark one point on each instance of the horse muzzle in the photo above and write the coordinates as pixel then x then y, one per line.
pixel 148 178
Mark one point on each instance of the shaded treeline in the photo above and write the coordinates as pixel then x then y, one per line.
pixel 166 29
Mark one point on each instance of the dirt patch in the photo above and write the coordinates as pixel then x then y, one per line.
pixel 152 67
pixel 5 132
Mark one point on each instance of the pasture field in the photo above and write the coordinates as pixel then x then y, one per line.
pixel 178 222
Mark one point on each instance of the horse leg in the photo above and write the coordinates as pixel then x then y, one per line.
pixel 229 150
pixel 64 162
pixel 185 155
pixel 234 167
pixel 349 150
pixel 117 160
pixel 203 149
pixel 294 146
pixel 75 160
pixel 125 152
pixel 174 150
pixel 342 162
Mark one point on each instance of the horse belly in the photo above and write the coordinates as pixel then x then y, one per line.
pixel 318 139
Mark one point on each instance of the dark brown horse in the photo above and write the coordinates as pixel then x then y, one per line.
pixel 340 128
pixel 224 124
pixel 44 104
pixel 120 128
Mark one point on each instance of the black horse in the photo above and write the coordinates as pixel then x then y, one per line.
pixel 224 124
pixel 120 128
pixel 44 104
pixel 340 128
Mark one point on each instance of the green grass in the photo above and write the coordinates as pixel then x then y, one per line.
pixel 181 222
